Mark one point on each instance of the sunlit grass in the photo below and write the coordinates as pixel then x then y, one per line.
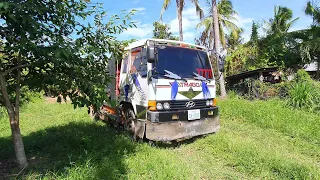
pixel 259 139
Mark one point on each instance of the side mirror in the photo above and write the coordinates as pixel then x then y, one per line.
pixel 151 57
pixel 221 66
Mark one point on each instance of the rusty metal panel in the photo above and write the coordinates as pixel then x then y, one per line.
pixel 179 130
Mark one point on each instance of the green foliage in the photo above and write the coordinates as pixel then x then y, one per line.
pixel 313 10
pixel 162 31
pixel 28 95
pixel 254 33
pixel 259 140
pixel 305 93
pixel 244 58
pixel 302 76
pixel 301 95
pixel 42 34
pixel 281 22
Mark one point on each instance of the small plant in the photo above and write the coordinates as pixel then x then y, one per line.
pixel 300 96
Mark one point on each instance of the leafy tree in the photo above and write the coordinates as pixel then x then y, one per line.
pixel 254 33
pixel 162 31
pixel 278 47
pixel 180 5
pixel 310 47
pixel 47 43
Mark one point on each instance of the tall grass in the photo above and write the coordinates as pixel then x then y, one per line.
pixel 305 93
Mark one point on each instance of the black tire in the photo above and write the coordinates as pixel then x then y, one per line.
pixel 130 123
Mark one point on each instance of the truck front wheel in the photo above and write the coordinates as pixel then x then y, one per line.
pixel 130 122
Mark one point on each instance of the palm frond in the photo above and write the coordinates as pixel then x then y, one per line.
pixel 289 24
pixel 165 6
pixel 310 47
pixel 205 22
pixel 230 25
pixel 199 10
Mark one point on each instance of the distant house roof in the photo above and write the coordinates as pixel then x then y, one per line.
pixel 253 73
pixel 311 67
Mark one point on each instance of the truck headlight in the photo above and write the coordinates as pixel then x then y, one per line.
pixel 159 106
pixel 208 103
pixel 166 105
pixel 211 102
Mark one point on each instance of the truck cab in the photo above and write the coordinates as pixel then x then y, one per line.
pixel 166 90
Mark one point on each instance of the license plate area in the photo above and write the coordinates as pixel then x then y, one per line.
pixel 193 114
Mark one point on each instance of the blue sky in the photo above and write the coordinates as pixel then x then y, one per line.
pixel 248 10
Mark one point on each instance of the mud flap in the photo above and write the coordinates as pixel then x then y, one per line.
pixel 180 130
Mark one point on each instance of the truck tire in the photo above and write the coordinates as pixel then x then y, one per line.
pixel 130 123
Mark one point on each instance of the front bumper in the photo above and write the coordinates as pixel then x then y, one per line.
pixel 161 127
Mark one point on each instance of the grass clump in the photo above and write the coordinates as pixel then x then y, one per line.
pixel 304 93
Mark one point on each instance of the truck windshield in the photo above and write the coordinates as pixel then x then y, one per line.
pixel 183 62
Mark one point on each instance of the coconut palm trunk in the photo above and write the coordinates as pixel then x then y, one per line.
pixel 179 12
pixel 217 45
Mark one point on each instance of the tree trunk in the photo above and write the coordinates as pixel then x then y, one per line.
pixel 217 45
pixel 318 69
pixel 18 143
pixel 14 123
pixel 179 12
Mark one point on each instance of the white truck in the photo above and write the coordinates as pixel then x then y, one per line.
pixel 165 91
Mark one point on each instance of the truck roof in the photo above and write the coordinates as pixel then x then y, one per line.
pixel 143 41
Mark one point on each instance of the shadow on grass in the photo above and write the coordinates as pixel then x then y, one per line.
pixel 76 150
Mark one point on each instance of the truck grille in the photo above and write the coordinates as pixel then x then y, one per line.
pixel 181 104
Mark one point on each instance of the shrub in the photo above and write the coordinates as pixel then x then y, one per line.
pixel 304 93
pixel 300 96
pixel 302 76
pixel 28 95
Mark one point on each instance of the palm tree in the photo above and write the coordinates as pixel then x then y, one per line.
pixel 310 47
pixel 281 22
pixel 225 18
pixel 217 45
pixel 234 39
pixel 313 10
pixel 180 6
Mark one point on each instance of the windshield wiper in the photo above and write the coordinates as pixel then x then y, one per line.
pixel 199 77
pixel 173 76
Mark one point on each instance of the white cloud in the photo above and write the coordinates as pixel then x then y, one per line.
pixel 189 37
pixel 242 22
pixel 142 31
pixel 190 20
pixel 138 9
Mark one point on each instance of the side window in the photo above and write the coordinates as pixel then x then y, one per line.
pixel 125 64
pixel 140 63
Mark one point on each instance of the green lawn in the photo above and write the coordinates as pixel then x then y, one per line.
pixel 261 139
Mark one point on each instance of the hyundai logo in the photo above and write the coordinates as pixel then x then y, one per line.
pixel 190 104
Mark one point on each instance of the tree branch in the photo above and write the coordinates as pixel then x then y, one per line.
pixel 14 68
pixel 5 96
